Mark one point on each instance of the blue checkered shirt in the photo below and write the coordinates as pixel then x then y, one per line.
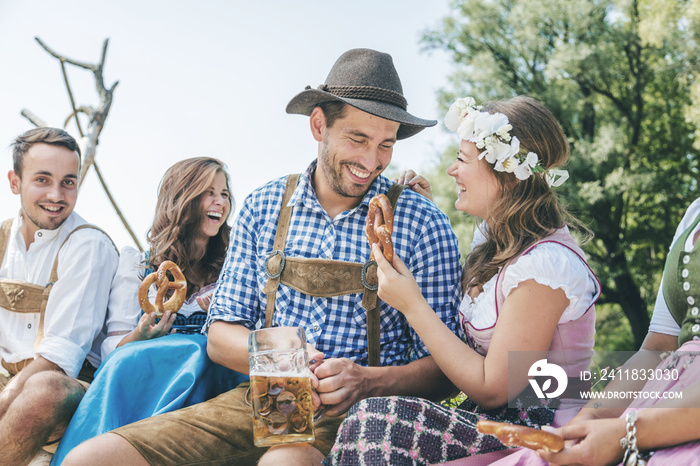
pixel 422 237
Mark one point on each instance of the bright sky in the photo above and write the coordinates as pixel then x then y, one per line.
pixel 202 78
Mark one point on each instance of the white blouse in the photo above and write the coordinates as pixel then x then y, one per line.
pixel 662 321
pixel 549 264
pixel 124 309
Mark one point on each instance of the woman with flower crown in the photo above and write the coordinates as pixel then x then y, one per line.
pixel 528 300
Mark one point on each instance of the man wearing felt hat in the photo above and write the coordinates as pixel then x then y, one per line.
pixel 299 257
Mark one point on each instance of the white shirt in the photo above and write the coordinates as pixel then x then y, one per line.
pixel 549 264
pixel 662 321
pixel 77 305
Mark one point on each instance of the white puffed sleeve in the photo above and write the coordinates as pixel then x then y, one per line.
pixel 123 309
pixel 556 266
pixel 661 320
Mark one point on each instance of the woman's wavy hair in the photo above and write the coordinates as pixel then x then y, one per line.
pixel 528 211
pixel 179 217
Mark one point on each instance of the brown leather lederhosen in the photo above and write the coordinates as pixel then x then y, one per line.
pixel 25 297
pixel 324 277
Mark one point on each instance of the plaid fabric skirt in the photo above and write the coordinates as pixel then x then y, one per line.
pixel 414 431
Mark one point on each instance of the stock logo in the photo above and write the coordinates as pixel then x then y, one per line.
pixel 541 369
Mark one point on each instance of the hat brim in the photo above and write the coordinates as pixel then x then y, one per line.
pixel 305 102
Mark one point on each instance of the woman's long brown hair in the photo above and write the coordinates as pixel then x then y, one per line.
pixel 179 217
pixel 528 211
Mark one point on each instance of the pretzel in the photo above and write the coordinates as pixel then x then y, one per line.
pixel 520 436
pixel 160 277
pixel 380 224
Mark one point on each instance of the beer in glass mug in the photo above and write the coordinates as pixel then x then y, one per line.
pixel 280 386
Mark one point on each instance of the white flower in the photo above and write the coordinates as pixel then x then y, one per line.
pixel 502 151
pixel 504 132
pixel 489 123
pixel 524 171
pixel 489 154
pixel 467 126
pixel 510 164
pixel 458 110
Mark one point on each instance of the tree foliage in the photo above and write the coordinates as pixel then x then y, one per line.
pixel 619 76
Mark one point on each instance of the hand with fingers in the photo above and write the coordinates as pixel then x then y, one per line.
pixel 416 182
pixel 315 360
pixel 204 301
pixel 147 328
pixel 397 286
pixel 589 442
pixel 340 383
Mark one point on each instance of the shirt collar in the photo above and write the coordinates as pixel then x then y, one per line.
pixel 42 235
pixel 305 192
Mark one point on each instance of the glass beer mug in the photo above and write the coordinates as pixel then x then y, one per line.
pixel 280 386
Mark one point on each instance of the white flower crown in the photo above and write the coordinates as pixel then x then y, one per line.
pixel 491 134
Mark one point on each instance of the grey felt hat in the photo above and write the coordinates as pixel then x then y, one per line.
pixel 367 80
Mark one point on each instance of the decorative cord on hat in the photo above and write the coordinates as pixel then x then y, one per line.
pixel 366 93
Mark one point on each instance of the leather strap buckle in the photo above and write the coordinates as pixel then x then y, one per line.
pixel 283 261
pixel 365 267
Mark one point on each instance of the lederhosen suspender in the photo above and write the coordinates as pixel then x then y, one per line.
pixel 323 277
pixel 25 297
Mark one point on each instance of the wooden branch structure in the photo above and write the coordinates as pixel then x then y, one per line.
pixel 96 120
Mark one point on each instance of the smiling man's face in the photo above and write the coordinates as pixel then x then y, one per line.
pixel 48 187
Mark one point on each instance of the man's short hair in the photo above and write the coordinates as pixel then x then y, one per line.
pixel 53 136
pixel 333 110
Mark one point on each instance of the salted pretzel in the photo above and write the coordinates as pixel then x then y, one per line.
pixel 380 224
pixel 520 436
pixel 162 281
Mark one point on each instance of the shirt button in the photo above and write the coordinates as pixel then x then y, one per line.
pixel 691 300
pixel 686 259
pixel 695 328
pixel 684 274
pixel 686 286
pixel 315 327
pixel 29 325
pixel 694 311
pixel 39 234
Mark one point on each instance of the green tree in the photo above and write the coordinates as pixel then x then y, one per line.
pixel 621 89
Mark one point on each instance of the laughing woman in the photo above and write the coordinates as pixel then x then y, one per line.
pixel 528 293
pixel 145 377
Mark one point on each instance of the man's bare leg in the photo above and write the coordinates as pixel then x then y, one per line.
pixel 38 414
pixel 104 450
pixel 294 454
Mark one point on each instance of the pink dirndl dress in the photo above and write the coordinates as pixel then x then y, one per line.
pixel 407 430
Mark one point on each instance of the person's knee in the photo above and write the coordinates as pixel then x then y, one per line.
pixel 53 392
pixel 105 450
pixel 294 454
pixel 83 454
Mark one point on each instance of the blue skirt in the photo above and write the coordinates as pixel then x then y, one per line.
pixel 143 379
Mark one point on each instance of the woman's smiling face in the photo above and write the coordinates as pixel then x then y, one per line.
pixel 478 188
pixel 215 204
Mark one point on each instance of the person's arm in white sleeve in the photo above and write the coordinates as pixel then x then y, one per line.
pixel 77 305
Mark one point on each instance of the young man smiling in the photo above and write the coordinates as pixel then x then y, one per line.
pixel 54 287
pixel 298 256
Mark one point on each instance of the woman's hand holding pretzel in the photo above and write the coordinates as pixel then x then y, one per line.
pixel 147 327
pixel 397 286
